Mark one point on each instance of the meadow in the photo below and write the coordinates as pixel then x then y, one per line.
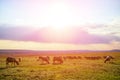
pixel 71 69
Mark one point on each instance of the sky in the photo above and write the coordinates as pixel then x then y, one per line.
pixel 60 24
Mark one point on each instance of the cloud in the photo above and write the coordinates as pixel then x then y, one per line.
pixel 72 35
pixel 29 45
pixel 110 28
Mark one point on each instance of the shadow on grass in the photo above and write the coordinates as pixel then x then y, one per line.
pixel 56 63
pixel 3 68
pixel 43 64
pixel 113 63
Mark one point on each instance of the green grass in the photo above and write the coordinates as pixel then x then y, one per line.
pixel 30 69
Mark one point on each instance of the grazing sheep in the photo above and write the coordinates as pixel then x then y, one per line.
pixel 93 58
pixel 57 60
pixel 19 59
pixel 108 58
pixel 11 60
pixel 44 59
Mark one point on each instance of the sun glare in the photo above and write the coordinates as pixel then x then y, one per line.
pixel 58 16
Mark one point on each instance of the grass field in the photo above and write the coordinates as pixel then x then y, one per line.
pixel 76 69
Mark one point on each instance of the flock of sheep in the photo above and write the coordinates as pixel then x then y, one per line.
pixel 56 59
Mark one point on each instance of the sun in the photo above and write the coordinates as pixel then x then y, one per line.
pixel 58 16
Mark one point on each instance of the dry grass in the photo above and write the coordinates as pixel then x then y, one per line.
pixel 30 69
